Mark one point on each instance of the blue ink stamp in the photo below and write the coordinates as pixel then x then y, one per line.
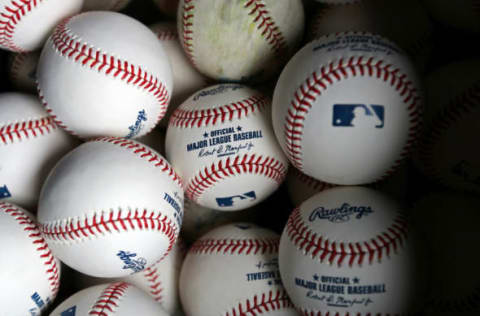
pixel 38 300
pixel 4 193
pixel 69 312
pixel 340 214
pixel 356 115
pixel 136 265
pixel 230 200
pixel 137 127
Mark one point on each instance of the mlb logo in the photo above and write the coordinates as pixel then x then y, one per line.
pixel 357 115
pixel 69 312
pixel 230 200
pixel 4 193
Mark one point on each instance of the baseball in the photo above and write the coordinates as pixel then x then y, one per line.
pixel 186 79
pixel 461 14
pixel 452 114
pixel 452 240
pixel 30 146
pixel 221 143
pixel 351 251
pixel 36 273
pixel 240 40
pixel 26 24
pixel 168 7
pixel 113 201
pixel 347 108
pixel 115 299
pixel 116 72
pixel 233 270
pixel 381 17
pixel 22 68
pixel 97 5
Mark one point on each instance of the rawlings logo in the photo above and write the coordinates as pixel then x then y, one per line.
pixel 136 265
pixel 219 89
pixel 137 127
pixel 341 214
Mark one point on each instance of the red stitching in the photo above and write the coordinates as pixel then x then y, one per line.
pixel 204 117
pixel 70 47
pixel 32 228
pixel 306 312
pixel 109 300
pixel 311 182
pixel 9 19
pixel 15 65
pixel 155 283
pixel 13 132
pixel 266 166
pixel 236 246
pixel 165 32
pixel 455 110
pixel 318 83
pixel 187 23
pixel 266 25
pixel 339 252
pixel 262 303
pixel 145 153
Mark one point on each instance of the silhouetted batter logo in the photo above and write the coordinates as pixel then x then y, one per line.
pixel 4 193
pixel 358 115
pixel 230 200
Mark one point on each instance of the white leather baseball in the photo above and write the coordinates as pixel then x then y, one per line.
pixel 112 299
pixel 186 79
pixel 22 68
pixel 26 24
pixel 115 72
pixel 381 17
pixel 30 145
pixel 233 270
pixel 240 40
pixel 29 273
pixel 452 114
pixel 461 14
pixel 351 251
pixel 221 143
pixel 347 108
pixel 113 201
pixel 111 5
pixel 449 223
pixel 159 280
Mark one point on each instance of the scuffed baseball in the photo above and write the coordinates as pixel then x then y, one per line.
pixel 221 143
pixel 448 151
pixel 30 146
pixel 29 274
pixel 381 17
pixel 116 72
pixel 22 69
pixel 352 251
pixel 347 108
pixel 240 40
pixel 234 269
pixel 449 223
pixel 116 299
pixel 111 5
pixel 186 79
pixel 112 200
pixel 25 25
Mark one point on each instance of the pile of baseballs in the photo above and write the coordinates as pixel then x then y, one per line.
pixel 144 161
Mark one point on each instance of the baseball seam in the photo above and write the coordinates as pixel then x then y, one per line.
pixel 71 47
pixel 262 303
pixel 187 26
pixel 340 252
pixel 33 231
pixel 312 183
pixel 319 81
pixel 12 132
pixel 235 246
pixel 457 108
pixel 15 65
pixel 236 110
pixel 109 300
pixel 9 19
pixel 253 164
pixel 154 283
pixel 165 33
